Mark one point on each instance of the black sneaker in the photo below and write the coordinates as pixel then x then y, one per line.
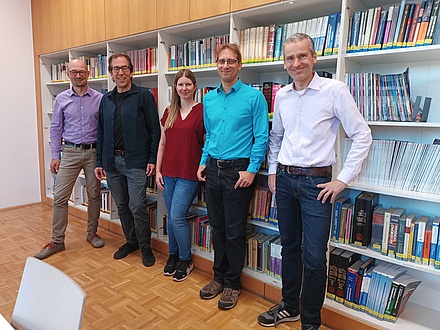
pixel 170 267
pixel 125 250
pixel 148 258
pixel 277 314
pixel 183 269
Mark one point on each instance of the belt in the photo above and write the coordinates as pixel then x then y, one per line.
pixel 119 153
pixel 307 171
pixel 229 163
pixel 82 146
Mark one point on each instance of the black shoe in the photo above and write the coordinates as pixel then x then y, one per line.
pixel 183 269
pixel 170 267
pixel 277 314
pixel 148 258
pixel 125 250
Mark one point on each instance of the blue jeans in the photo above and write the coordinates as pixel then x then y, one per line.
pixel 128 187
pixel 304 225
pixel 227 211
pixel 179 194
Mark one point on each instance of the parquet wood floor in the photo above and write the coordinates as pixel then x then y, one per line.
pixel 121 294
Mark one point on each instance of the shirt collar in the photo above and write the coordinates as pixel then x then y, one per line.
pixel 314 84
pixel 235 87
pixel 72 92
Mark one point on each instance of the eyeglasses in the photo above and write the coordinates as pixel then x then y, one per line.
pixel 82 73
pixel 229 61
pixel 116 69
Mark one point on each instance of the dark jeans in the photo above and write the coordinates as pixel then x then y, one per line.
pixel 304 224
pixel 128 187
pixel 227 211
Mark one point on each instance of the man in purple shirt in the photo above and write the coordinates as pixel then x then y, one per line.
pixel 74 120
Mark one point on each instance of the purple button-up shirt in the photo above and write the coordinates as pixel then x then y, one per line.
pixel 74 119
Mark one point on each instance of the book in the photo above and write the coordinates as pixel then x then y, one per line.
pixel 365 203
pixel 410 40
pixel 420 238
pixel 381 30
pixel 419 22
pixel 337 35
pixel 355 32
pixel 377 228
pixel 330 35
pixel 393 231
pixel 391 273
pixel 407 285
pixel 408 24
pixel 365 289
pixel 333 273
pixel 278 43
pixel 427 243
pixel 434 241
pixel 388 23
pixel 366 34
pixel 346 259
pixel 337 209
pixel 365 267
pixel 374 28
pixel 350 285
pixel 410 219
pixel 343 222
pixel 425 23
pixel 394 20
pixel 401 236
pixel 403 26
pixel 397 31
pixel 386 230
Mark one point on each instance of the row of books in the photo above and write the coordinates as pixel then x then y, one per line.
pixel 397 26
pixel 152 215
pixel 144 60
pixel 390 231
pixel 97 65
pixel 262 207
pixel 263 254
pixel 201 232
pixel 351 222
pixel 379 289
pixel 195 54
pixel 382 97
pixel 265 43
pixel 405 236
pixel 402 165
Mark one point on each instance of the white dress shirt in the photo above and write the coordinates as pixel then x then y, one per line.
pixel 306 123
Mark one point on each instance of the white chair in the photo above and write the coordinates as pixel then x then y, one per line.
pixel 47 299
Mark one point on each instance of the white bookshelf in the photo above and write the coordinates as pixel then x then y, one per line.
pixel 424 307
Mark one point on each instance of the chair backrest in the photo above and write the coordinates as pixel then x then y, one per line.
pixel 47 299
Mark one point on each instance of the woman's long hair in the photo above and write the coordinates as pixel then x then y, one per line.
pixel 174 108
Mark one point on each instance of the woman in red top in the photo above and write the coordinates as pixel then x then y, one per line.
pixel 178 157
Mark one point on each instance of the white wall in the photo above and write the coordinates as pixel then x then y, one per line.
pixel 19 169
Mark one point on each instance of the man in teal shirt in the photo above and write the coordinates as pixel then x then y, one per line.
pixel 236 124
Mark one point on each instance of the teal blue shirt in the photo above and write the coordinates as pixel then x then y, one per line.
pixel 236 125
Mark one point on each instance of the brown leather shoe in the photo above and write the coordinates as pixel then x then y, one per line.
pixel 211 290
pixel 228 298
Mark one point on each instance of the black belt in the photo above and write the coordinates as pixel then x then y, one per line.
pixel 229 163
pixel 119 153
pixel 307 171
pixel 82 146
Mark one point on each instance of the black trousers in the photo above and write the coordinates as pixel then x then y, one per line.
pixel 227 211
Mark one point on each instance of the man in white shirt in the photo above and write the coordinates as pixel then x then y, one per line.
pixel 306 120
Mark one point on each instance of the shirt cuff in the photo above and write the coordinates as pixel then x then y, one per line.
pixel 346 176
pixel 253 167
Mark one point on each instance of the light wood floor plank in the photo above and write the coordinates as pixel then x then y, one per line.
pixel 121 294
